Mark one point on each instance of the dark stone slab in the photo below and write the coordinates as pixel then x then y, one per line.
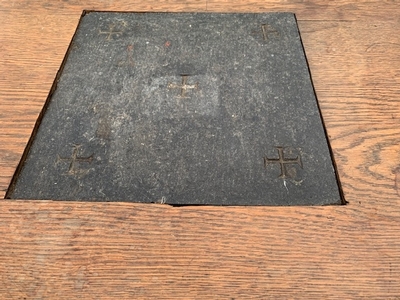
pixel 182 108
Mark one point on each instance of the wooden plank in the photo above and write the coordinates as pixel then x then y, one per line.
pixel 153 251
pixel 107 250
pixel 317 10
pixel 354 67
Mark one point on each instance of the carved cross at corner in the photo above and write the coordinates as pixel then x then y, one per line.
pixel 267 31
pixel 110 32
pixel 74 161
pixel 283 162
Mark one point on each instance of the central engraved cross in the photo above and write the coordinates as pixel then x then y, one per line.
pixel 282 161
pixel 75 160
pixel 183 86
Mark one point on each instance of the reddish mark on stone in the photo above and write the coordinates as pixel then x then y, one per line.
pixel 167 44
pixel 129 54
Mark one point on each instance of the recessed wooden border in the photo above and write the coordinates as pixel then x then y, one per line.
pixel 109 250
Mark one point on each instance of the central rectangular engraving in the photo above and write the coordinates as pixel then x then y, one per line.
pixel 181 108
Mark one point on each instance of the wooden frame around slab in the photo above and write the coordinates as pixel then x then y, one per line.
pixel 66 250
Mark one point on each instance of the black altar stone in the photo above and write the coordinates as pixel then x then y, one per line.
pixel 181 108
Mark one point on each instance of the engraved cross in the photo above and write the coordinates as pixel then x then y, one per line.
pixel 110 32
pixel 283 162
pixel 183 86
pixel 75 160
pixel 268 30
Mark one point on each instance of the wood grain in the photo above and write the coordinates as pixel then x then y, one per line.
pixel 68 250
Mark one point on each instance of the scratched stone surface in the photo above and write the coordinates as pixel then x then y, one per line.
pixel 182 108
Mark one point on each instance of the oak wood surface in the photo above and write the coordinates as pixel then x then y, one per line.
pixel 67 250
